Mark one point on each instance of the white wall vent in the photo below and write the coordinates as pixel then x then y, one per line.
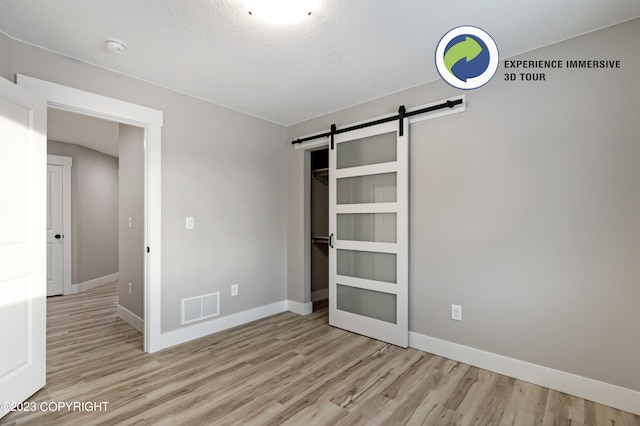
pixel 200 307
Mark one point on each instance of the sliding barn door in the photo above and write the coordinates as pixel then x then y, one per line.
pixel 368 228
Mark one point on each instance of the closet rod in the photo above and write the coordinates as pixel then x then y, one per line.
pixel 400 116
pixel 321 240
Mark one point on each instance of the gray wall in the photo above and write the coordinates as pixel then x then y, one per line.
pixel 94 211
pixel 524 210
pixel 5 54
pixel 222 167
pixel 131 205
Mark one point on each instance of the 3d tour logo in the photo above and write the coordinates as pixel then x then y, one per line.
pixel 467 57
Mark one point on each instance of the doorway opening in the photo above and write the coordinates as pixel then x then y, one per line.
pixel 103 227
pixel 319 211
pixel 73 100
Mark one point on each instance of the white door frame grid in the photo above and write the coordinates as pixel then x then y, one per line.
pixel 98 106
pixel 395 328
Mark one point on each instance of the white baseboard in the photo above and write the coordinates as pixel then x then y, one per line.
pixel 299 308
pixel 130 318
pixel 320 295
pixel 88 285
pixel 593 390
pixel 206 328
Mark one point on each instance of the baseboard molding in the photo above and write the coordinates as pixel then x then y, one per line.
pixel 593 390
pixel 205 328
pixel 130 318
pixel 320 295
pixel 299 308
pixel 88 285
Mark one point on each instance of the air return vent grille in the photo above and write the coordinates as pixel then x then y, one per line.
pixel 200 307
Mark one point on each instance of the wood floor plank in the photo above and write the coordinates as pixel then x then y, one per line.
pixel 526 405
pixel 283 370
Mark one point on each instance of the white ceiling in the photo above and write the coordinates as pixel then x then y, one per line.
pixel 345 53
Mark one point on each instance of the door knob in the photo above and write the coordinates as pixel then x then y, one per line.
pixel 57 236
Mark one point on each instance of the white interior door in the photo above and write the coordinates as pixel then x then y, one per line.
pixel 368 228
pixel 55 248
pixel 23 159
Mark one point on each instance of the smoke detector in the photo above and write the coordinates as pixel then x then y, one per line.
pixel 115 46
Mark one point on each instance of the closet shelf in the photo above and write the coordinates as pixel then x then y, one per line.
pixel 322 175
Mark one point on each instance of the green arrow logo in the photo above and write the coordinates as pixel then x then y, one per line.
pixel 469 48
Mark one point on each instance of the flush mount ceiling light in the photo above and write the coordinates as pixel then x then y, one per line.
pixel 115 46
pixel 280 11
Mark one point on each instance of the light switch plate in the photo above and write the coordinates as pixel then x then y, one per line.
pixel 190 223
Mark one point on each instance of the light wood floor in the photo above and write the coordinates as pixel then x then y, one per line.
pixel 286 369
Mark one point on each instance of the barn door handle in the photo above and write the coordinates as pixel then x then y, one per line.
pixel 331 240
pixel 57 236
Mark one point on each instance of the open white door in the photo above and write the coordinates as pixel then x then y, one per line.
pixel 368 228
pixel 23 162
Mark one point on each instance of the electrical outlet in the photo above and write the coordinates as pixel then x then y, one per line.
pixel 456 312
pixel 129 288
pixel 234 289
pixel 190 223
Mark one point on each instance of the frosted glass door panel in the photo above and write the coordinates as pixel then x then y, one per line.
pixel 368 222
pixel 370 150
pixel 368 303
pixel 373 227
pixel 379 188
pixel 367 265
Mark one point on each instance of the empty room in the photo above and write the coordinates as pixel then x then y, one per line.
pixel 345 212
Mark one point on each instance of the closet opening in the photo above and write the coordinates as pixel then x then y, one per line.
pixel 319 227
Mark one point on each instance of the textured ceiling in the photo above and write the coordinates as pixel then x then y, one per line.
pixel 345 53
